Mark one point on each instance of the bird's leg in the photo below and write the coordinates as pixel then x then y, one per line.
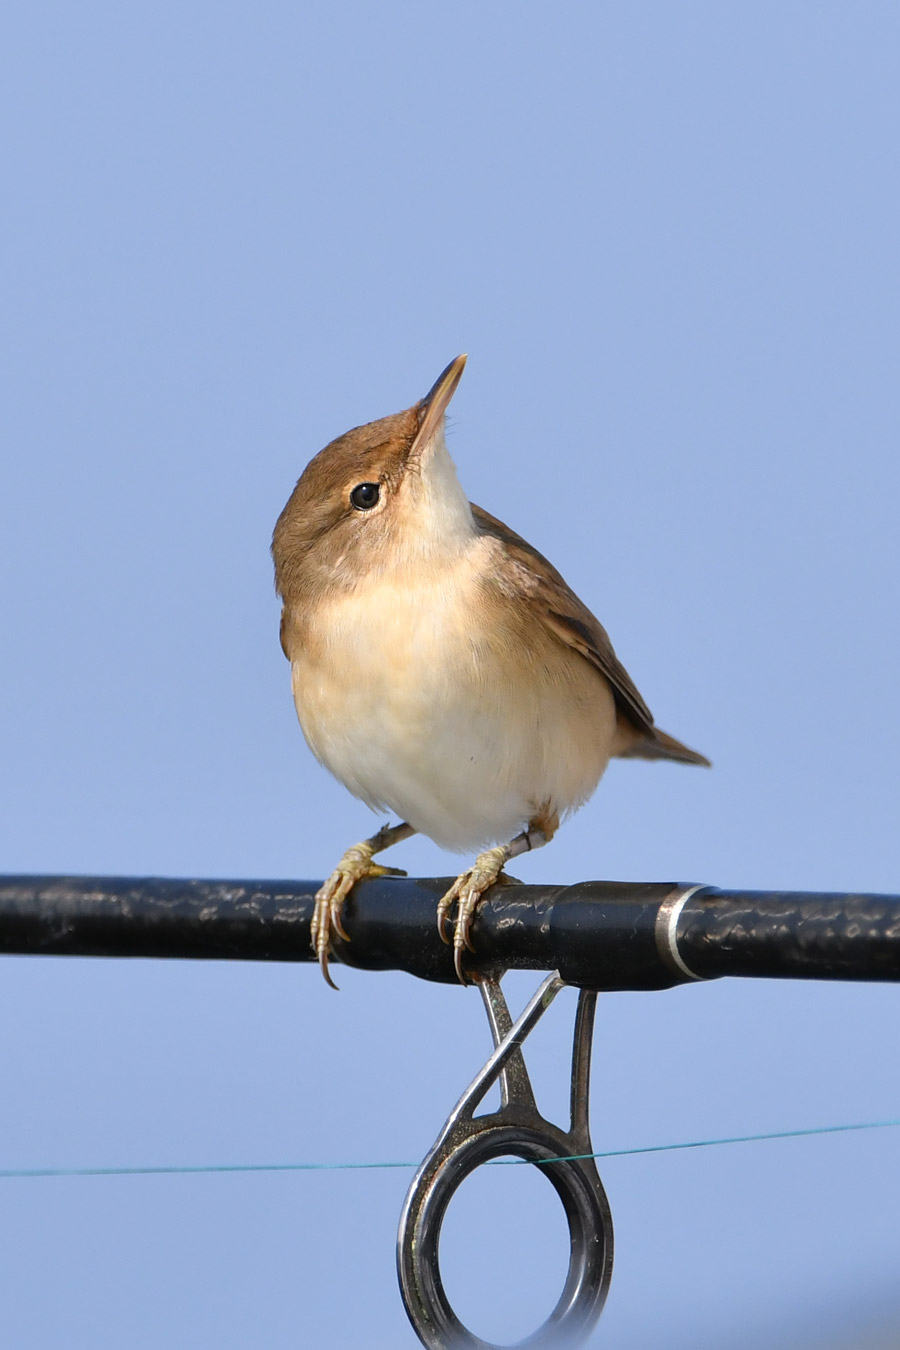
pixel 355 864
pixel 468 889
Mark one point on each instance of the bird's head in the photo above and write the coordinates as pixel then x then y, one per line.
pixel 382 497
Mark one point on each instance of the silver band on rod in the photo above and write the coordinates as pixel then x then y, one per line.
pixel 667 930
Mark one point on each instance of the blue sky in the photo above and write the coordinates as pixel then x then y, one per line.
pixel 667 237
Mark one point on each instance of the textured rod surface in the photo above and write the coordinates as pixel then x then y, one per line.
pixel 795 933
pixel 599 935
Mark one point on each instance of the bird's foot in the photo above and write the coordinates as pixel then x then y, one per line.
pixel 468 890
pixel 356 864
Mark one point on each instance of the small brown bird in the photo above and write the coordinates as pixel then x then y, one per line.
pixel 441 667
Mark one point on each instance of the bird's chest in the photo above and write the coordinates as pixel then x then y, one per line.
pixel 431 697
pixel 393 670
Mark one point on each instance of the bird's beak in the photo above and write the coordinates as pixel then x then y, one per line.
pixel 433 406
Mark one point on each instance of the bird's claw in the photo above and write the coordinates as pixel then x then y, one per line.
pixel 468 890
pixel 327 917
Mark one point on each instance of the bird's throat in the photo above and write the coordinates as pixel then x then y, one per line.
pixel 435 519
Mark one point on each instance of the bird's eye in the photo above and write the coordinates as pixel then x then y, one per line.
pixel 364 496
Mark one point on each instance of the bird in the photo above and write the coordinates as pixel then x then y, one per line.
pixel 442 670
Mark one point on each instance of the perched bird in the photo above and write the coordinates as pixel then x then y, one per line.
pixel 441 667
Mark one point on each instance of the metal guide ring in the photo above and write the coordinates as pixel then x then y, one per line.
pixel 517 1129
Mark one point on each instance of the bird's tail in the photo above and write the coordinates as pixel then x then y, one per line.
pixel 654 744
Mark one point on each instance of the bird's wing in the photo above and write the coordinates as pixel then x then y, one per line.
pixel 564 615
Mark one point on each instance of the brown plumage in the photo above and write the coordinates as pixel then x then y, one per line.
pixel 557 606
